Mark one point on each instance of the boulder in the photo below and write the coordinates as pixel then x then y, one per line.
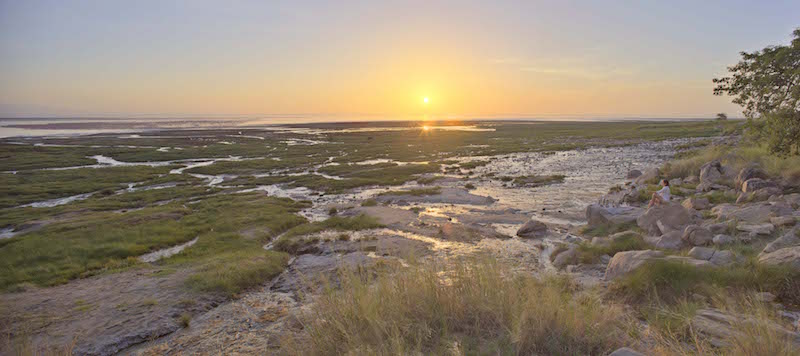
pixel 696 235
pixel 566 257
pixel 627 261
pixel 757 229
pixel 689 261
pixel 672 216
pixel 788 239
pixel 669 241
pixel 532 229
pixel 633 174
pixel 720 228
pixel 720 328
pixel 696 203
pixel 752 213
pixel 701 253
pixel 753 184
pixel 722 240
pixel 711 172
pixel 787 256
pixel 749 172
pixel 690 180
pixel 649 176
pixel 624 351
pixel 598 215
pixel 783 220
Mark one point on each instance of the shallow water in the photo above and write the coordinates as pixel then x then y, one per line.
pixel 167 252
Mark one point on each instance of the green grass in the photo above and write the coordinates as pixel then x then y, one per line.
pixel 534 180
pixel 360 222
pixel 483 308
pixel 106 240
pixel 473 164
pixel 588 253
pixel 603 230
pixel 369 202
pixel 669 281
pixel 232 272
pixel 720 197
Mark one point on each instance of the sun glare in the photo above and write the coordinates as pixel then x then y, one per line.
pixel 425 100
pixel 426 127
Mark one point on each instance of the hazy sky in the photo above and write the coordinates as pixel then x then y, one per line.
pixel 471 58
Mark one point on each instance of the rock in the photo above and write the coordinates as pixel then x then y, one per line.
pixel 758 229
pixel 676 182
pixel 567 257
pixel 752 213
pixel 624 351
pixel 689 261
pixel 720 328
pixel 764 193
pixel 633 174
pixel 711 172
pixel 723 258
pixel 744 198
pixel 669 241
pixel 570 238
pixel 720 228
pixel 696 235
pixel 749 172
pixel 627 261
pixel 788 239
pixel 787 256
pixel 722 240
pixel 754 184
pixel 690 180
pixel 696 203
pixel 649 176
pixel 601 241
pixel 598 215
pixel 532 229
pixel 702 253
pixel 783 220
pixel 672 216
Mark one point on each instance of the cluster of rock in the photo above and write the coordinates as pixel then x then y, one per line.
pixel 693 220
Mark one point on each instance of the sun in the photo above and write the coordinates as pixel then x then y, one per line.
pixel 426 128
pixel 425 100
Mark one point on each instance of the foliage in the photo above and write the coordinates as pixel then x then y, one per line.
pixel 766 84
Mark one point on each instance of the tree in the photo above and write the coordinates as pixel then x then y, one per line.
pixel 766 84
pixel 721 116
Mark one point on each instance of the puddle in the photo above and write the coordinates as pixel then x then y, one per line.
pixel 7 233
pixel 56 202
pixel 167 252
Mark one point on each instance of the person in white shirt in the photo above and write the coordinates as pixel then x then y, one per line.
pixel 661 196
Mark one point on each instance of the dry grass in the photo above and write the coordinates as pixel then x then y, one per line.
pixel 478 308
pixel 737 158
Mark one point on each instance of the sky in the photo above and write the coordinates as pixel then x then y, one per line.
pixel 378 59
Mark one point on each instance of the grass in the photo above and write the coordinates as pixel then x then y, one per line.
pixel 588 253
pixel 100 241
pixel 604 230
pixel 534 180
pixel 720 197
pixel 669 281
pixel 369 202
pixel 481 308
pixel 737 158
pixel 360 222
pixel 232 272
pixel 474 164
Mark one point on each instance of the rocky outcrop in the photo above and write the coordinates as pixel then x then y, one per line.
pixel 719 328
pixel 753 184
pixel 783 220
pixel 788 256
pixel 670 216
pixel 788 239
pixel 752 213
pixel 532 229
pixel 722 240
pixel 716 257
pixel 756 229
pixel 696 203
pixel 711 172
pixel 598 215
pixel 669 241
pixel 749 172
pixel 567 257
pixel 625 262
pixel 695 235
pixel 649 176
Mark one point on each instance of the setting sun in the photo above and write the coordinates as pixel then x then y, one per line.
pixel 426 127
pixel 425 100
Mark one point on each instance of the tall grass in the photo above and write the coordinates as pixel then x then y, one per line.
pixel 737 158
pixel 477 307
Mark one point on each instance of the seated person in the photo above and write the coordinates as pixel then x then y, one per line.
pixel 661 196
